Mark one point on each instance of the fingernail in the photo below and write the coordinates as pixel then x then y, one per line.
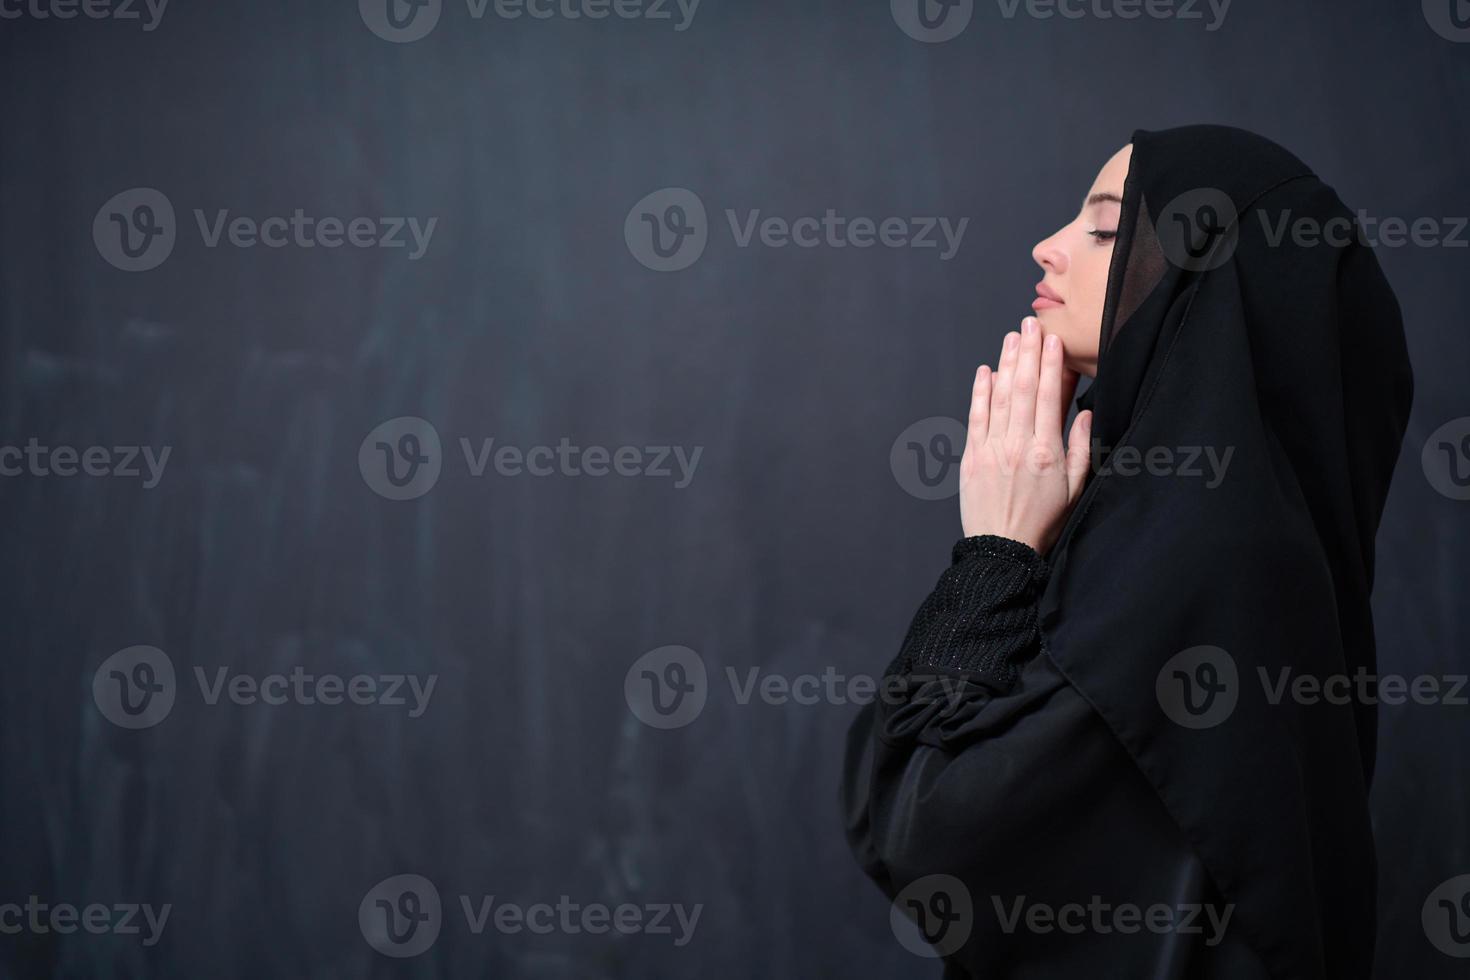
pixel 1010 341
pixel 1051 342
pixel 1028 325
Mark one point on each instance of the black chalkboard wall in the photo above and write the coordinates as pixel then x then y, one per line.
pixel 698 457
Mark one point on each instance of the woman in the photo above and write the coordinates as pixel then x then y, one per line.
pixel 1087 763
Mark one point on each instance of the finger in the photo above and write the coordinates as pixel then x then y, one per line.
pixel 1051 410
pixel 1079 455
pixel 979 407
pixel 1000 391
pixel 1023 385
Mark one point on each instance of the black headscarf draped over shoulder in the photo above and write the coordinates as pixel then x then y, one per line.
pixel 1175 606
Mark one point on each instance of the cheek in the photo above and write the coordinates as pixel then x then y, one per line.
pixel 1093 281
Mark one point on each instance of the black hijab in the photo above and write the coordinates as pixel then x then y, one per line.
pixel 1226 329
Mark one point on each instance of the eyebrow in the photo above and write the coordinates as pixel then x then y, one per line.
pixel 1104 198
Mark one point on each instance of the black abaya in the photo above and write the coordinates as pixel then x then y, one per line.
pixel 1032 759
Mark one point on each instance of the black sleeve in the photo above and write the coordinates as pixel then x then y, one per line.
pixel 980 766
pixel 966 643
pixel 979 623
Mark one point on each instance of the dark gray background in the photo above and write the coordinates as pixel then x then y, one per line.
pixel 794 549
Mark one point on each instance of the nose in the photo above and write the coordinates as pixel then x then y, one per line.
pixel 1050 255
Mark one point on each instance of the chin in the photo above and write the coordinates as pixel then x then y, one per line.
pixel 1077 355
pixel 1051 322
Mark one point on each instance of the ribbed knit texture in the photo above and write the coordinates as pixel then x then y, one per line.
pixel 981 616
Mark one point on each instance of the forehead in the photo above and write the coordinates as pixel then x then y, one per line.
pixel 1114 172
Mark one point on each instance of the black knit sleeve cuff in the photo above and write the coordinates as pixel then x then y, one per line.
pixel 980 621
pixel 995 546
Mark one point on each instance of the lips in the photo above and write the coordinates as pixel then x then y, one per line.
pixel 1046 297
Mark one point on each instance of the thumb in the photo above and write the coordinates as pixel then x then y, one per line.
pixel 1079 455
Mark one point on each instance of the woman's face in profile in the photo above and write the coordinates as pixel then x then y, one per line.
pixel 1069 298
